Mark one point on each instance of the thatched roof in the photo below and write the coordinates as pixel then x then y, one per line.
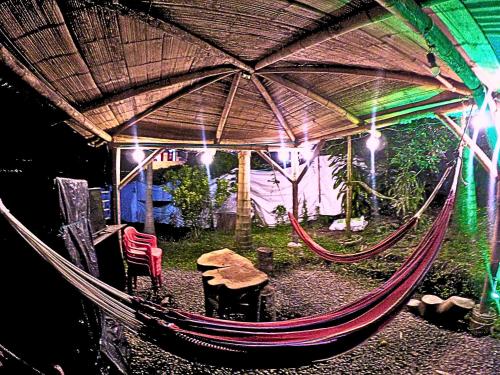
pixel 228 71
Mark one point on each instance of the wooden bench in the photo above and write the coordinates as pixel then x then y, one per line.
pixel 231 285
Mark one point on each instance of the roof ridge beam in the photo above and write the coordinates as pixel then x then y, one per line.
pixel 396 75
pixel 327 103
pixel 227 107
pixel 350 22
pixel 168 100
pixel 157 85
pixel 175 29
pixel 46 91
pixel 274 108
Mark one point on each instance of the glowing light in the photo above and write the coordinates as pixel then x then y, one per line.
pixel 373 141
pixel 207 157
pixel 306 152
pixel 283 155
pixel 481 120
pixel 495 295
pixel 138 155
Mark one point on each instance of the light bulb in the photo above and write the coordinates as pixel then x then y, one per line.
pixel 207 157
pixel 481 120
pixel 138 155
pixel 283 155
pixel 373 143
pixel 495 295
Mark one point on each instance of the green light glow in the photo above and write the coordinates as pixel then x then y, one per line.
pixel 466 209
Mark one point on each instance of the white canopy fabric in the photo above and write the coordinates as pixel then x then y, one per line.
pixel 316 188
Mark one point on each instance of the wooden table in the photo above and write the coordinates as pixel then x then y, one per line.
pixel 231 284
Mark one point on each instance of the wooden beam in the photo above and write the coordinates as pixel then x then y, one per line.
pixel 46 91
pixel 139 167
pixel 152 18
pixel 243 230
pixel 227 107
pixel 270 102
pixel 483 159
pixel 165 101
pixel 341 26
pixel 408 77
pixel 275 165
pixel 316 151
pixel 453 107
pixel 157 85
pixel 315 97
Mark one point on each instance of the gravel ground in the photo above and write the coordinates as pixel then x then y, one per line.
pixel 408 345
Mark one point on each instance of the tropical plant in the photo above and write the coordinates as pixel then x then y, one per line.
pixel 190 193
pixel 408 192
pixel 305 212
pixel 279 214
pixel 223 190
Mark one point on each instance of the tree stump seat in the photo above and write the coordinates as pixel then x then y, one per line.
pixel 231 285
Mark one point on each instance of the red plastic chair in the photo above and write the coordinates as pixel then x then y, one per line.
pixel 143 257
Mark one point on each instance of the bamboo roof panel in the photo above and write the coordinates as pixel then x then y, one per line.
pixel 116 65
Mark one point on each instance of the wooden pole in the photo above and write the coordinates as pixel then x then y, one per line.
pixel 327 103
pixel 243 235
pixel 348 202
pixel 274 108
pixel 314 155
pixel 143 164
pixel 395 75
pixel 295 189
pixel 483 159
pixel 227 107
pixel 338 27
pixel 156 85
pixel 275 165
pixel 486 296
pixel 149 221
pixel 165 101
pixel 116 156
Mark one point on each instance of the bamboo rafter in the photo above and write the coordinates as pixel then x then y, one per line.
pixel 165 101
pixel 327 103
pixel 172 28
pixel 402 76
pixel 227 107
pixel 157 85
pixel 270 102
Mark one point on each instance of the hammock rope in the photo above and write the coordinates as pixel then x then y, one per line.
pixel 266 344
pixel 376 249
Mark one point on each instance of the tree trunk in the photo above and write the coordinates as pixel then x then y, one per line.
pixel 348 198
pixel 243 235
pixel 149 221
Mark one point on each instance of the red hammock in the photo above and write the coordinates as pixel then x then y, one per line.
pixel 383 245
pixel 245 344
pixel 300 340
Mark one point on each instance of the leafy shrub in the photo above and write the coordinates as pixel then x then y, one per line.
pixel 190 193
pixel 279 214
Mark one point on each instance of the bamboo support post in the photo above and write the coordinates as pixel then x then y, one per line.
pixel 243 233
pixel 116 156
pixel 149 221
pixel 348 201
pixel 490 279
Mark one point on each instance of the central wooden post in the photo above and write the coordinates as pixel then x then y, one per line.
pixel 243 213
pixel 149 221
pixel 295 189
pixel 348 202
